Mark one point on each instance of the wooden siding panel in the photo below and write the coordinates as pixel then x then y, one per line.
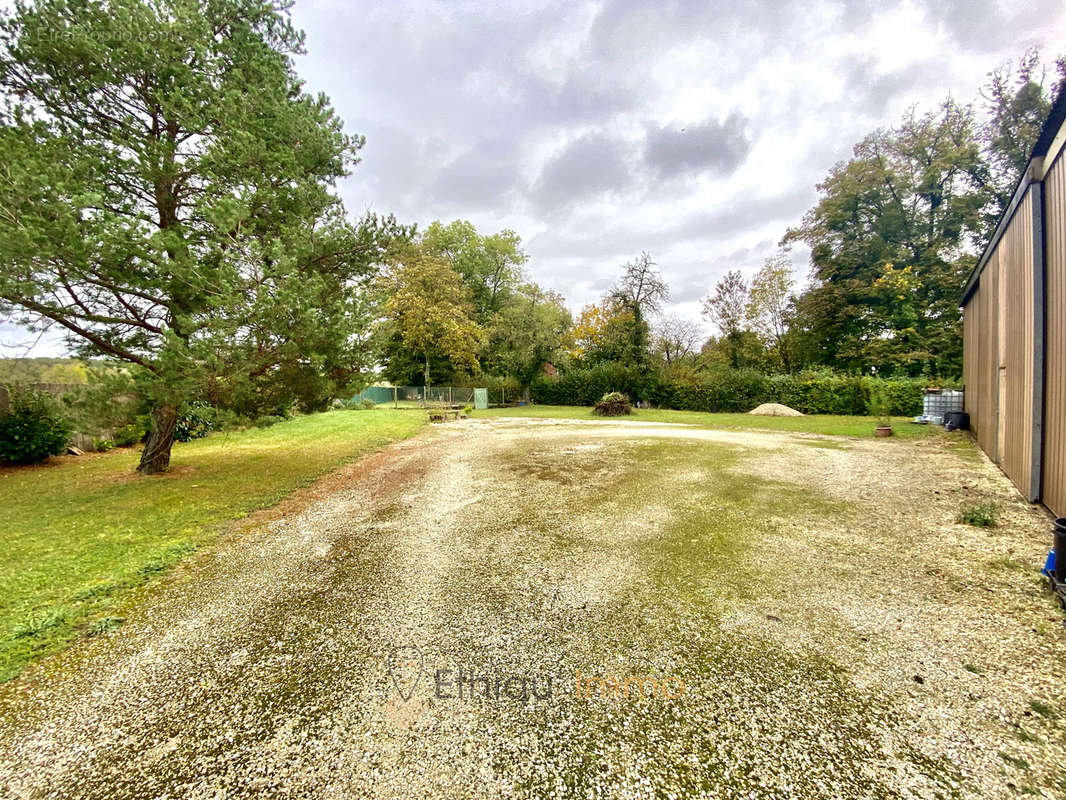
pixel 981 356
pixel 1016 415
pixel 999 334
pixel 1054 482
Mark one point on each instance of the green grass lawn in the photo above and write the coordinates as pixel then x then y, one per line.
pixel 829 425
pixel 79 533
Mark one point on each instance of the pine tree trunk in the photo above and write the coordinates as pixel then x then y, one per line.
pixel 156 454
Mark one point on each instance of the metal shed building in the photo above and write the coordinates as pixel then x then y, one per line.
pixel 1014 322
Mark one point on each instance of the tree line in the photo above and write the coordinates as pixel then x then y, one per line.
pixel 171 203
pixel 896 230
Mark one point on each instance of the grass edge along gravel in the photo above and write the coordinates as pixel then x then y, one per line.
pixel 80 533
pixel 821 424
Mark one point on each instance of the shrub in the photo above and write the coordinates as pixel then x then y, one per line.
pixel 981 516
pixel 195 423
pixel 902 396
pixel 129 435
pixel 879 404
pixel 584 387
pixel 820 392
pixel 32 429
pixel 103 445
pixel 613 404
pixel 721 389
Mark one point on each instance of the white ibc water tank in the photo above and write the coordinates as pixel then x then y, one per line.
pixel 938 403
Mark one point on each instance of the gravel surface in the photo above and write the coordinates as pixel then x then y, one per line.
pixel 647 610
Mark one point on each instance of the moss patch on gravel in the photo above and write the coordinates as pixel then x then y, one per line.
pixel 637 554
pixel 79 533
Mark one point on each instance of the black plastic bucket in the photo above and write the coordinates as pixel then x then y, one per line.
pixel 957 421
pixel 1060 549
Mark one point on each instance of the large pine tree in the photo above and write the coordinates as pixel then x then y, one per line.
pixel 166 198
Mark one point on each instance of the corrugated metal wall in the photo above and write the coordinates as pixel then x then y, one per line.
pixel 1055 397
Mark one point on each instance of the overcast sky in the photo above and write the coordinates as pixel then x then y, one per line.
pixel 693 130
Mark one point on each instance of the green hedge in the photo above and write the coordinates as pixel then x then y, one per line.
pixel 584 387
pixel 732 390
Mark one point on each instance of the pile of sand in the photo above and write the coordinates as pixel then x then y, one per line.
pixel 775 410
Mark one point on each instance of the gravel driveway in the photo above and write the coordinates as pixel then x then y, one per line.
pixel 578 609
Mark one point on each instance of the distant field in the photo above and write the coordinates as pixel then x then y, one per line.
pixel 829 425
pixel 78 533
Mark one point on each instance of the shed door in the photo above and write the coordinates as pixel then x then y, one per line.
pixel 1001 417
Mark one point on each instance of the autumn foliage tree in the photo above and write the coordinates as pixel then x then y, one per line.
pixel 603 331
pixel 428 312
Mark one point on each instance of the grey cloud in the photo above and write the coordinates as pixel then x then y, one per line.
pixel 720 147
pixel 484 176
pixel 588 167
pixel 988 25
pixel 693 289
pixel 590 93
pixel 629 233
pixel 746 214
pixel 625 29
pixel 878 94
pixel 456 99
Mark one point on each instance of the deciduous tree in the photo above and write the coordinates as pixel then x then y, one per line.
pixel 1018 98
pixel 641 291
pixel 602 332
pixel 491 265
pixel 769 306
pixel 913 196
pixel 727 309
pixel 429 312
pixel 676 339
pixel 531 329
